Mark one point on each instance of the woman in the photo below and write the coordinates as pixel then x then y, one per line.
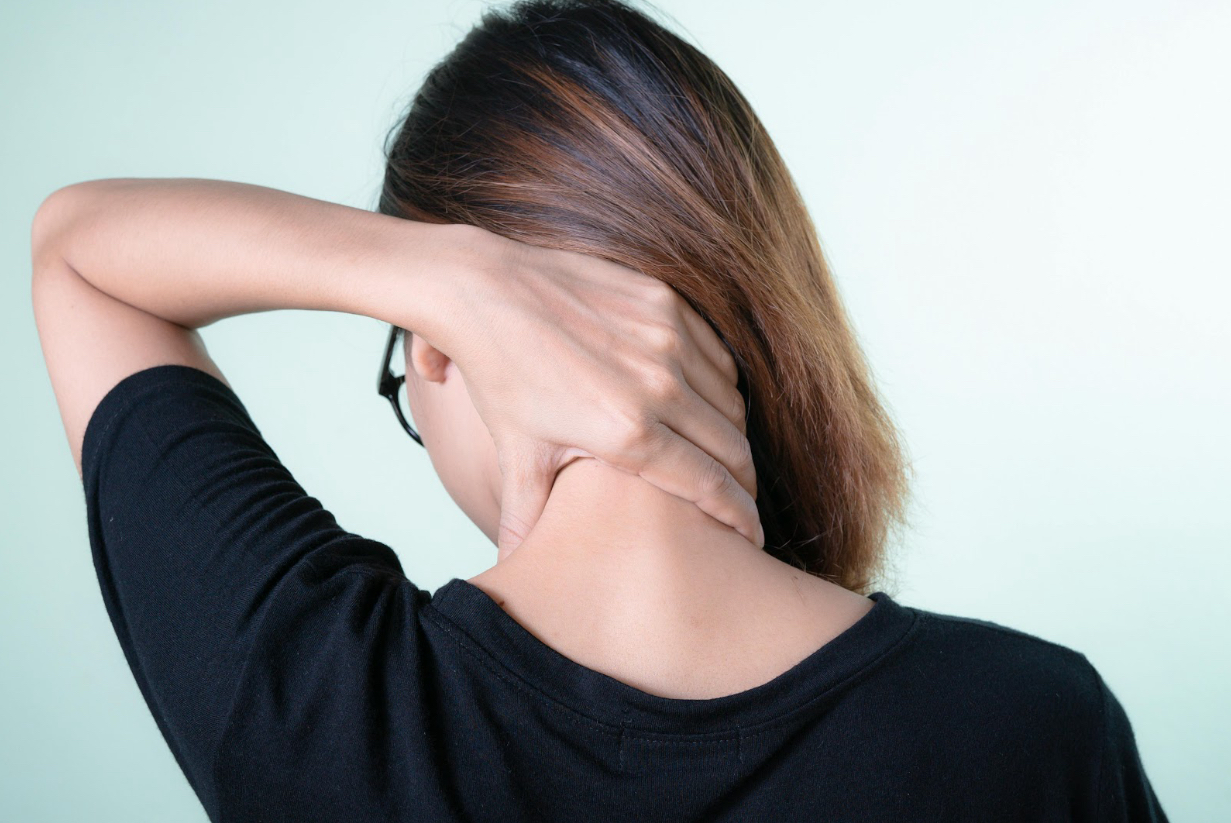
pixel 665 424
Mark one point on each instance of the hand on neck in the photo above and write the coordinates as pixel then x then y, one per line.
pixel 621 551
pixel 634 582
pixel 599 514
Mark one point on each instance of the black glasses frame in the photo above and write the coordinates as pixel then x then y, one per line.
pixel 390 384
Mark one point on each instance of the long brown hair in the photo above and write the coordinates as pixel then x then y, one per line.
pixel 585 125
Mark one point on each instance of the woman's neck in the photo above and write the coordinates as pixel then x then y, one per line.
pixel 628 579
pixel 615 528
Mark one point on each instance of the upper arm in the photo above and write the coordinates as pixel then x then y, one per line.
pixel 240 603
pixel 226 583
pixel 90 340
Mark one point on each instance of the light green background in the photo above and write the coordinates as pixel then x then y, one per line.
pixel 1026 207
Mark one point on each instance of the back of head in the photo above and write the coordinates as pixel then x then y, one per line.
pixel 584 125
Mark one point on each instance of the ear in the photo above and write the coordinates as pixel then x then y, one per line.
pixel 428 361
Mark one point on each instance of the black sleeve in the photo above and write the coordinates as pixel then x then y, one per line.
pixel 204 545
pixel 1124 791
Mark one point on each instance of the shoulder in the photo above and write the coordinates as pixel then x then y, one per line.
pixel 1020 682
pixel 994 649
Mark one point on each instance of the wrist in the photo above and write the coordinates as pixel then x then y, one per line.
pixel 433 274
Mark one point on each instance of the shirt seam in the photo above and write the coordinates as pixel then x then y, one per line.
pixel 744 732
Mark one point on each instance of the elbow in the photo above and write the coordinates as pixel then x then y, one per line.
pixel 49 232
pixel 62 211
pixel 47 228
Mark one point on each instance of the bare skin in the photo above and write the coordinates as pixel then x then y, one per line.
pixel 620 576
pixel 642 564
pixel 570 354
pixel 647 589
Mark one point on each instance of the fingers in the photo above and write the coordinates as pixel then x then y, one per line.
pixel 678 466
pixel 696 419
pixel 525 487
pixel 712 371
pixel 705 379
pixel 709 343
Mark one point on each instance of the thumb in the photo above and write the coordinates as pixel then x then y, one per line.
pixel 525 486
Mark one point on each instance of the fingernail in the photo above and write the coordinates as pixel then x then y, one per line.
pixel 760 536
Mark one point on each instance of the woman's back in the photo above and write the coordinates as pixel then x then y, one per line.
pixel 298 675
pixel 905 715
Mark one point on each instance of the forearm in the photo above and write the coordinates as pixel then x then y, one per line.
pixel 193 251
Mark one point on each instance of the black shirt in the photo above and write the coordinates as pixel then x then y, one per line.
pixel 297 675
